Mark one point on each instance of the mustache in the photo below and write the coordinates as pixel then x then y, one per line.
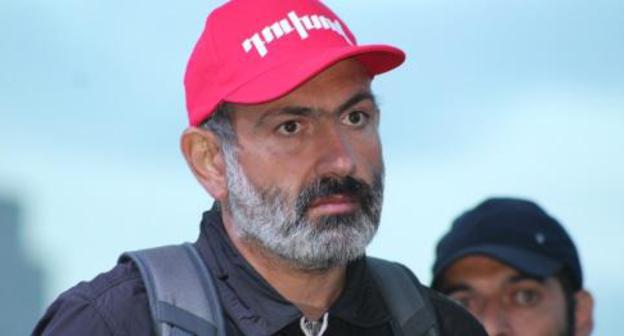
pixel 361 191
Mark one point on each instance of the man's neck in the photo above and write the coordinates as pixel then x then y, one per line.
pixel 313 292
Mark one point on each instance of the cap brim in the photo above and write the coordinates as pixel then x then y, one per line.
pixel 287 76
pixel 524 261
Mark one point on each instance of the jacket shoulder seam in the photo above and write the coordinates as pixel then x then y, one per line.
pixel 93 301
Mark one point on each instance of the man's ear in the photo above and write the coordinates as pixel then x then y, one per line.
pixel 584 313
pixel 202 151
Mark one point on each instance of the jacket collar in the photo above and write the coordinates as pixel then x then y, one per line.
pixel 257 308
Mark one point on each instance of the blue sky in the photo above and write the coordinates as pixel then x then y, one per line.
pixel 519 98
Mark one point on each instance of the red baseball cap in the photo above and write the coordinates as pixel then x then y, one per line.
pixel 255 51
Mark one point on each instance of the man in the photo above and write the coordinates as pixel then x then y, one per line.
pixel 284 136
pixel 516 269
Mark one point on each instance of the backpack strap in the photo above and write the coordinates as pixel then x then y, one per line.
pixel 182 295
pixel 411 309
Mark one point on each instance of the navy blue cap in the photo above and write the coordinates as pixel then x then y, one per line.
pixel 515 232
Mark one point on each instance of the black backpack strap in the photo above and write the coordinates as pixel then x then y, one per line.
pixel 182 295
pixel 411 309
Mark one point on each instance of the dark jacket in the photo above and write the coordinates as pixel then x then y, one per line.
pixel 115 302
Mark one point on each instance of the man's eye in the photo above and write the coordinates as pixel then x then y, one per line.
pixel 356 118
pixel 526 297
pixel 289 128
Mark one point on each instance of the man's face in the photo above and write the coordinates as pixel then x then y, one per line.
pixel 305 176
pixel 505 301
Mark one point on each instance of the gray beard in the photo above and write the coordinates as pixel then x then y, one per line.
pixel 272 220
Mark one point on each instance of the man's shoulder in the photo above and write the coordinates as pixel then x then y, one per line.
pixel 113 303
pixel 119 279
pixel 452 318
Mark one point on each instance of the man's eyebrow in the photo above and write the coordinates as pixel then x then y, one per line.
pixel 447 290
pixel 523 277
pixel 294 110
pixel 287 110
pixel 358 97
pixel 307 111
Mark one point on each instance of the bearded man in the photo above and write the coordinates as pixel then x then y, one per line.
pixel 284 136
pixel 516 269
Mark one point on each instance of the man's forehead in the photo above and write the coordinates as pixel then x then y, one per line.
pixel 339 79
pixel 328 90
pixel 478 267
pixel 483 268
pixel 307 107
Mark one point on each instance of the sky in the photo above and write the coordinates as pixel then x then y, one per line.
pixel 514 98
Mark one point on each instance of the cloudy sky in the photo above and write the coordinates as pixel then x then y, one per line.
pixel 521 97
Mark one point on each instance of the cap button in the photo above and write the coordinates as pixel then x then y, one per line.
pixel 540 238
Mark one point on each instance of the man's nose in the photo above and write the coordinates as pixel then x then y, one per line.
pixel 336 157
pixel 493 316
